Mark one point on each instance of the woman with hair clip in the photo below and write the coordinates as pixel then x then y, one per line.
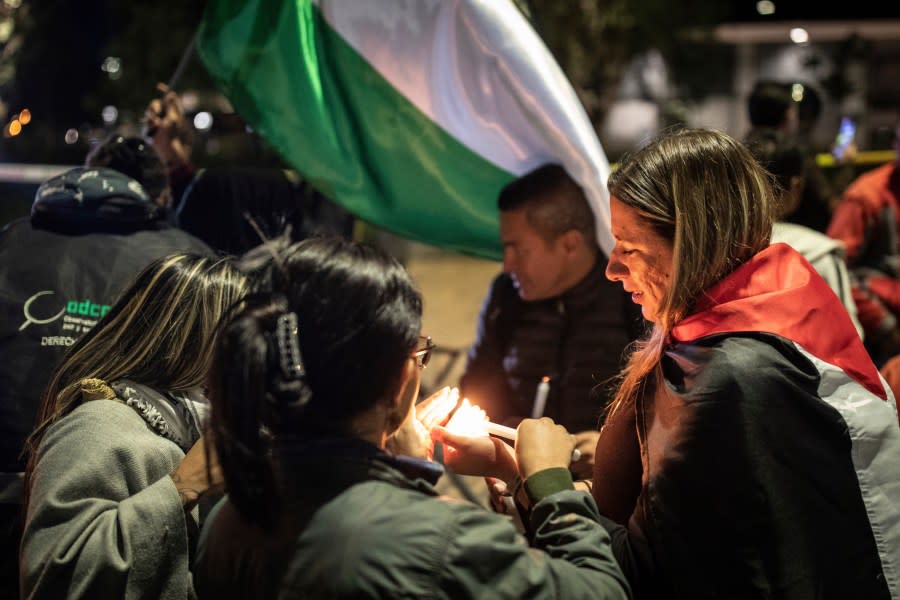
pixel 764 452
pixel 117 463
pixel 310 380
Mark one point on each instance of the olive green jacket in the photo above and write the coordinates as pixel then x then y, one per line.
pixel 368 525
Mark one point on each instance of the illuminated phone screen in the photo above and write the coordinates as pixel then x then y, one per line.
pixel 845 135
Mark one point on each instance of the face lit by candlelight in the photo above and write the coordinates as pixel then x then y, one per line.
pixel 641 259
pixel 539 268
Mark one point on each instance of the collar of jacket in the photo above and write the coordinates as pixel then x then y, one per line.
pixel 585 291
pixel 355 460
pixel 778 292
pixel 176 417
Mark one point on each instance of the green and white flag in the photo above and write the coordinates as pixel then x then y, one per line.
pixel 412 114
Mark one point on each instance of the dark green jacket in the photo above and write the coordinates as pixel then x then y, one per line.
pixel 367 525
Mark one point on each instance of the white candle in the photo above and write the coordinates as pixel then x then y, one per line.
pixel 540 398
pixel 509 433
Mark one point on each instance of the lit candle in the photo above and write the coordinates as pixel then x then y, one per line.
pixel 540 398
pixel 468 420
pixel 471 420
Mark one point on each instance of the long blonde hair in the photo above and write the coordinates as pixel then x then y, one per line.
pixel 159 333
pixel 705 192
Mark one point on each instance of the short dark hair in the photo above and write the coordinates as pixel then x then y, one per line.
pixel 134 157
pixel 768 103
pixel 552 201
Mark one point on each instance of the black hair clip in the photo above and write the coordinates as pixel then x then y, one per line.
pixel 289 346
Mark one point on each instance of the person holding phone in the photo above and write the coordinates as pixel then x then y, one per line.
pixel 844 148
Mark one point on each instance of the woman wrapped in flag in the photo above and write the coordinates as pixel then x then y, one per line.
pixel 767 441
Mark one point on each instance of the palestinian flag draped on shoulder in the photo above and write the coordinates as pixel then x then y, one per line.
pixel 411 115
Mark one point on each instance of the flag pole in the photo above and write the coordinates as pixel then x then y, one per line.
pixel 182 64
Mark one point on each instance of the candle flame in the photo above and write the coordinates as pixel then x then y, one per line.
pixel 469 420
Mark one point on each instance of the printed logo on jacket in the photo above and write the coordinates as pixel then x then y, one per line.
pixel 76 316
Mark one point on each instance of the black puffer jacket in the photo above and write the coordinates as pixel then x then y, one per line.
pixel 577 339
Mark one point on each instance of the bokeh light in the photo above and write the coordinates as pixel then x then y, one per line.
pixel 799 35
pixel 765 7
pixel 203 121
pixel 109 114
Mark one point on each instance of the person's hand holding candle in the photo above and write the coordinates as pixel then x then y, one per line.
pixel 468 450
pixel 542 444
pixel 480 455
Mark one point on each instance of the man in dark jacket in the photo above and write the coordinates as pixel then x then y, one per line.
pixel 551 313
pixel 91 231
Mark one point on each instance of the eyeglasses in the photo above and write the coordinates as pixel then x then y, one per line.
pixel 423 355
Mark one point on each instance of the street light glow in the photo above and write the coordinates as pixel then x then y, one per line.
pixel 765 7
pixel 109 114
pixel 799 35
pixel 203 121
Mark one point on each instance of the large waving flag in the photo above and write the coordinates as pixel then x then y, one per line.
pixel 412 114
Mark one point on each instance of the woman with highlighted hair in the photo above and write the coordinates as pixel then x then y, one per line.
pixel 117 462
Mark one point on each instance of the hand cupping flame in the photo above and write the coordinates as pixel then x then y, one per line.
pixel 471 420
pixel 468 420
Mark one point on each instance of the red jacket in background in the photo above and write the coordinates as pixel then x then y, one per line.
pixel 866 221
